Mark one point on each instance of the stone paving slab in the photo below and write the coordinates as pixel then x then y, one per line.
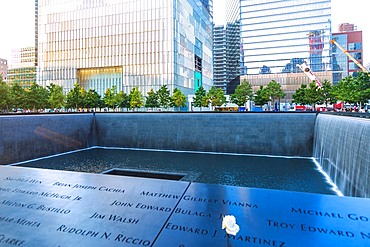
pixel 41 207
pixel 267 218
pixel 57 208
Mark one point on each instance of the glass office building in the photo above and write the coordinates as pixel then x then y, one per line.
pixel 343 66
pixel 125 43
pixel 277 35
pixel 219 58
pixel 226 55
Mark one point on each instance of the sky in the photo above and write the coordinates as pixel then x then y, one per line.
pixel 17 22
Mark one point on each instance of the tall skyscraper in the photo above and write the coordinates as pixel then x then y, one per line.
pixel 125 43
pixel 275 32
pixel 226 55
pixel 219 57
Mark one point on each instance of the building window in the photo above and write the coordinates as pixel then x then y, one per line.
pixel 353 66
pixel 354 46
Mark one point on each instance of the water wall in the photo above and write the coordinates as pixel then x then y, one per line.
pixel 25 137
pixel 342 148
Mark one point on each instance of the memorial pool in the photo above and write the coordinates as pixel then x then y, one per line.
pixel 269 172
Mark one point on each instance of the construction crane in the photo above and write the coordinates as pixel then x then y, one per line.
pixel 349 55
pixel 308 72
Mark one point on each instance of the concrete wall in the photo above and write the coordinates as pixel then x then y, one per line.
pixel 289 134
pixel 25 137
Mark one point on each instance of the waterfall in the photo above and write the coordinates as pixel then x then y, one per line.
pixel 342 148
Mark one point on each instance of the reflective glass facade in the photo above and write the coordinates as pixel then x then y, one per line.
pixel 226 55
pixel 219 57
pixel 343 66
pixel 126 43
pixel 278 34
pixel 340 60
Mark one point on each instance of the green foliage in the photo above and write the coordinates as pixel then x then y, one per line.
pixel 92 99
pixel 136 98
pixel 200 98
pixel 178 98
pixel 110 97
pixel 164 98
pixel 327 89
pixel 4 96
pixel 243 93
pixel 312 94
pixel 351 89
pixel 56 98
pixel 36 97
pixel 123 100
pixel 346 90
pixel 363 87
pixel 275 91
pixel 300 96
pixel 152 99
pixel 17 96
pixel 262 96
pixel 216 96
pixel 74 97
pixel 315 95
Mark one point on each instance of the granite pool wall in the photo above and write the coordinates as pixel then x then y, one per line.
pixel 26 137
pixel 340 144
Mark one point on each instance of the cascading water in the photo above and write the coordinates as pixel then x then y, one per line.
pixel 342 148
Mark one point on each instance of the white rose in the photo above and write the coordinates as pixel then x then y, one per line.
pixel 229 222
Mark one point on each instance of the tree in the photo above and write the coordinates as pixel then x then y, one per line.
pixel 300 95
pixel 362 81
pixel 56 98
pixel 327 88
pixel 275 91
pixel 4 95
pixel 216 96
pixel 74 97
pixel 83 94
pixel 243 93
pixel 315 95
pixel 36 97
pixel 164 98
pixel 17 96
pixel 346 90
pixel 152 99
pixel 178 99
pixel 123 100
pixel 200 98
pixel 92 99
pixel 110 97
pixel 136 98
pixel 262 96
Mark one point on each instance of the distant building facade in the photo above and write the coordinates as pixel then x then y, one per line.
pixel 234 45
pixel 3 69
pixel 277 35
pixel 351 41
pixel 23 68
pixel 127 44
pixel 226 55
pixel 219 58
